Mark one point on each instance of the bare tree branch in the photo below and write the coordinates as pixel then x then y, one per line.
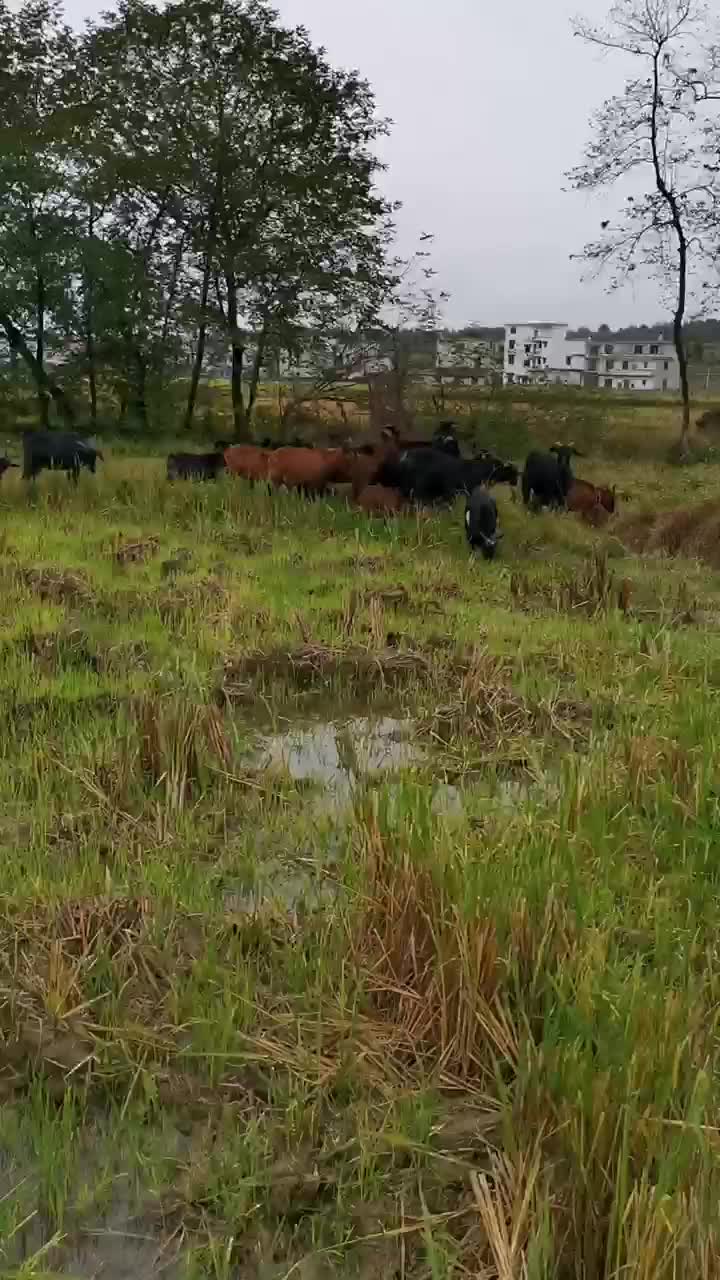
pixel 652 134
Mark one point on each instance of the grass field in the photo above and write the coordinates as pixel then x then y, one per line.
pixel 358 900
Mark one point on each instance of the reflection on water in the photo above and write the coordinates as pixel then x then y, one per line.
pixel 339 755
pixel 288 889
pixel 119 1244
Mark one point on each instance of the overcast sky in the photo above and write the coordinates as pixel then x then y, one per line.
pixel 491 102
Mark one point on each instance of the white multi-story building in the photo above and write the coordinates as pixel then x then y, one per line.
pixel 632 366
pixel 544 353
pixel 539 353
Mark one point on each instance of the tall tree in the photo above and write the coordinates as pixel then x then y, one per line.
pixel 283 163
pixel 649 140
pixel 196 167
pixel 130 181
pixel 37 55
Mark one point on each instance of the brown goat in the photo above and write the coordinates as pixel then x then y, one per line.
pixel 376 500
pixel 248 461
pixel 363 467
pixel 311 470
pixel 583 497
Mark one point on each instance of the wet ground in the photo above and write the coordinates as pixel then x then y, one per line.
pixel 337 758
pixel 339 754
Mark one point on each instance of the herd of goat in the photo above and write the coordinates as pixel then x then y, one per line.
pixel 384 478
pixel 394 474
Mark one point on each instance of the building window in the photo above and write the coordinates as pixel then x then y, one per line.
pixel 608 382
pixel 511 359
pixel 637 349
pixel 666 364
pixel 594 351
pixel 609 364
pixel 568 360
pixel 608 348
pixel 526 364
pixel 626 383
pixel 511 344
pixel 592 366
pixel 644 382
pixel 664 384
pixel 654 351
pixel 626 364
pixel 513 328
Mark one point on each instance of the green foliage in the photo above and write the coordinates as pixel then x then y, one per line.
pixel 174 173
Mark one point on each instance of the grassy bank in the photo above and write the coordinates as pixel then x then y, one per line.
pixel 511 420
pixel 358 901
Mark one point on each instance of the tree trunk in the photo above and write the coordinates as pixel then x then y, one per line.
pixel 89 328
pixel 207 270
pixel 240 424
pixel 676 217
pixel 138 385
pixel 43 398
pixel 237 349
pixel 684 386
pixel 92 375
pixel 172 290
pixel 17 343
pixel 255 377
pixel 121 390
pixel 199 349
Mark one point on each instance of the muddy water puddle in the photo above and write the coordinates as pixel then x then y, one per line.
pixel 119 1245
pixel 339 755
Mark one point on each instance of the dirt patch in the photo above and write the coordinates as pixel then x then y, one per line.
pixel 472 693
pixel 209 596
pixel 688 531
pixel 312 663
pixel 50 961
pixel 137 552
pixel 50 651
pixel 590 589
pixel 57 586
pixel 133 655
pixel 488 708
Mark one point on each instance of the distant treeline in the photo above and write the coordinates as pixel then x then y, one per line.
pixel 695 330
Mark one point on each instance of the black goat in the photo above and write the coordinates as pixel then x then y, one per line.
pixel 481 523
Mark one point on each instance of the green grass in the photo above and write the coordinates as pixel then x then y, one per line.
pixel 249 1024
